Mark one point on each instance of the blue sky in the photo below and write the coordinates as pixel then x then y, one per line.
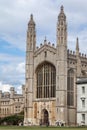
pixel 14 17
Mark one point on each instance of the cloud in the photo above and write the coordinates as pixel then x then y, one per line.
pixel 19 89
pixel 13 73
pixel 5 87
pixel 10 58
pixel 21 68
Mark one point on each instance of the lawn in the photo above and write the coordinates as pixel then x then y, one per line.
pixel 39 128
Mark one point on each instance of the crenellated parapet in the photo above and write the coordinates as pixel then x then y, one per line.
pixel 70 52
pixel 82 55
pixel 71 55
pixel 72 60
pixel 83 58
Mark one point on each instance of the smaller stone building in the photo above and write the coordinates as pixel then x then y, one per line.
pixel 11 103
pixel 82 101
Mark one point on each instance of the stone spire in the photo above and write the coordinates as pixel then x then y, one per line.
pixel 78 59
pixel 62 28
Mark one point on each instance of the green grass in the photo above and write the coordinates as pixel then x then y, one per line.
pixel 40 128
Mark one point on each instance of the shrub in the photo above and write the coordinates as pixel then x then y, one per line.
pixel 12 120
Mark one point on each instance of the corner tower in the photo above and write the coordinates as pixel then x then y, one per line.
pixel 61 68
pixel 30 48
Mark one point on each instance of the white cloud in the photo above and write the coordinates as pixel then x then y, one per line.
pixel 5 87
pixel 15 40
pixel 19 89
pixel 13 73
pixel 21 68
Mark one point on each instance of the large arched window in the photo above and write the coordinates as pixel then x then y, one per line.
pixel 46 80
pixel 70 88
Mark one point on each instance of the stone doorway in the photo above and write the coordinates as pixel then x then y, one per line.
pixel 44 117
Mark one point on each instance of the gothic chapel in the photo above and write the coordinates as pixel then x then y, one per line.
pixel 51 74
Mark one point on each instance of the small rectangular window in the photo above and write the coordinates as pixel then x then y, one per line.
pixel 45 53
pixel 83 90
pixel 83 118
pixel 83 103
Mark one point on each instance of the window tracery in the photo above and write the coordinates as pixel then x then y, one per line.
pixel 46 81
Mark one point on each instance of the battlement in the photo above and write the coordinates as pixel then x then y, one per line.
pixel 70 52
pixel 83 55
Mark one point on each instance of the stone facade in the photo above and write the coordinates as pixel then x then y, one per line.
pixel 11 103
pixel 82 101
pixel 51 73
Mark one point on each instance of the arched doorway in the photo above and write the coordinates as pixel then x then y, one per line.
pixel 44 117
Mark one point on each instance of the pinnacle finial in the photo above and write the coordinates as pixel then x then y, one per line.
pixel 77 44
pixel 31 16
pixel 31 21
pixel 45 40
pixel 62 14
pixel 62 8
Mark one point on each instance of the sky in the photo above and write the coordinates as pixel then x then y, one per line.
pixel 14 17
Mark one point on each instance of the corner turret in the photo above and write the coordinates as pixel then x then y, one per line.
pixel 31 35
pixel 30 48
pixel 61 68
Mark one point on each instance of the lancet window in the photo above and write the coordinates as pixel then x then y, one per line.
pixel 70 88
